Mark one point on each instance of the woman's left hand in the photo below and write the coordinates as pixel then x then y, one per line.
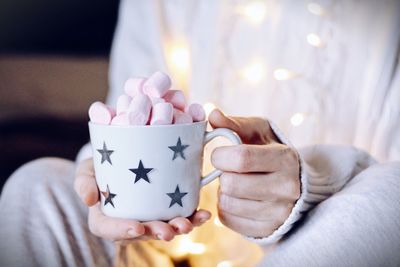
pixel 260 182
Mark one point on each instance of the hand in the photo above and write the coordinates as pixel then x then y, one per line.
pixel 260 182
pixel 124 230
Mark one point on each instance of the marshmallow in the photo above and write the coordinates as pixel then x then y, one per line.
pixel 139 110
pixel 100 113
pixel 120 120
pixel 196 111
pixel 148 101
pixel 157 85
pixel 111 110
pixel 181 117
pixel 134 86
pixel 162 113
pixel 176 98
pixel 156 100
pixel 123 103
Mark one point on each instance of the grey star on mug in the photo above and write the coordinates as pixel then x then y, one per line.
pixel 141 172
pixel 105 154
pixel 178 149
pixel 176 197
pixel 108 197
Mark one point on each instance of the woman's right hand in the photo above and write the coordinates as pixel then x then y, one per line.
pixel 124 230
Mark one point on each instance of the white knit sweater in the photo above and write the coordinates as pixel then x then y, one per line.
pixel 346 90
pixel 325 170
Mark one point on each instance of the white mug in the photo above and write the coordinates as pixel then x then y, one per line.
pixel 152 172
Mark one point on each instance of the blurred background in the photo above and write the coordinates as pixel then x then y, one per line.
pixel 326 72
pixel 53 64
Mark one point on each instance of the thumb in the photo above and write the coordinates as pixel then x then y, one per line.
pixel 218 119
pixel 251 130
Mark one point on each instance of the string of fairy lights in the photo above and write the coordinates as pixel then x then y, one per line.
pixel 179 60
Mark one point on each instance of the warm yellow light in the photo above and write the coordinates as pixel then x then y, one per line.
pixel 217 222
pixel 224 264
pixel 316 9
pixel 180 57
pixel 297 119
pixel 208 107
pixel 255 12
pixel 186 245
pixel 314 40
pixel 282 74
pixel 254 73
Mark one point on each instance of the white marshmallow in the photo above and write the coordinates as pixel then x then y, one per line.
pixel 123 103
pixel 134 86
pixel 181 117
pixel 139 110
pixel 120 120
pixel 176 98
pixel 196 111
pixel 156 100
pixel 100 113
pixel 157 84
pixel 162 113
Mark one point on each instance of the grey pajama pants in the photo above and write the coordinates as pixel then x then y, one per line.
pixel 43 223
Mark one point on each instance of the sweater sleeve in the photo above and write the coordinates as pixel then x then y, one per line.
pixel 324 170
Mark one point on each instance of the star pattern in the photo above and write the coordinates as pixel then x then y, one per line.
pixel 176 197
pixel 178 149
pixel 141 172
pixel 105 154
pixel 108 197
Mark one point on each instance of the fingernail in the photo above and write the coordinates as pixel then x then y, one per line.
pixel 203 220
pixel 133 233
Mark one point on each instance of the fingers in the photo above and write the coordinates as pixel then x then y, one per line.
pixel 113 228
pixel 248 227
pixel 200 217
pixel 159 230
pixel 116 229
pixel 124 230
pixel 85 183
pixel 254 158
pixel 255 210
pixel 251 130
pixel 218 119
pixel 181 225
pixel 273 187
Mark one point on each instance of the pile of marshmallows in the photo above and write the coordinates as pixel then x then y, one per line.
pixel 148 102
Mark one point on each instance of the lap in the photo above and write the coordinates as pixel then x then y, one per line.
pixel 357 226
pixel 44 222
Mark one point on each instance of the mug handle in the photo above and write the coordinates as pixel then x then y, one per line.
pixel 232 136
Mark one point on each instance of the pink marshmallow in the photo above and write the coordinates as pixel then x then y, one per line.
pixel 157 85
pixel 181 117
pixel 162 113
pixel 100 113
pixel 121 119
pixel 196 111
pixel 176 98
pixel 112 111
pixel 156 100
pixel 134 86
pixel 139 110
pixel 123 103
